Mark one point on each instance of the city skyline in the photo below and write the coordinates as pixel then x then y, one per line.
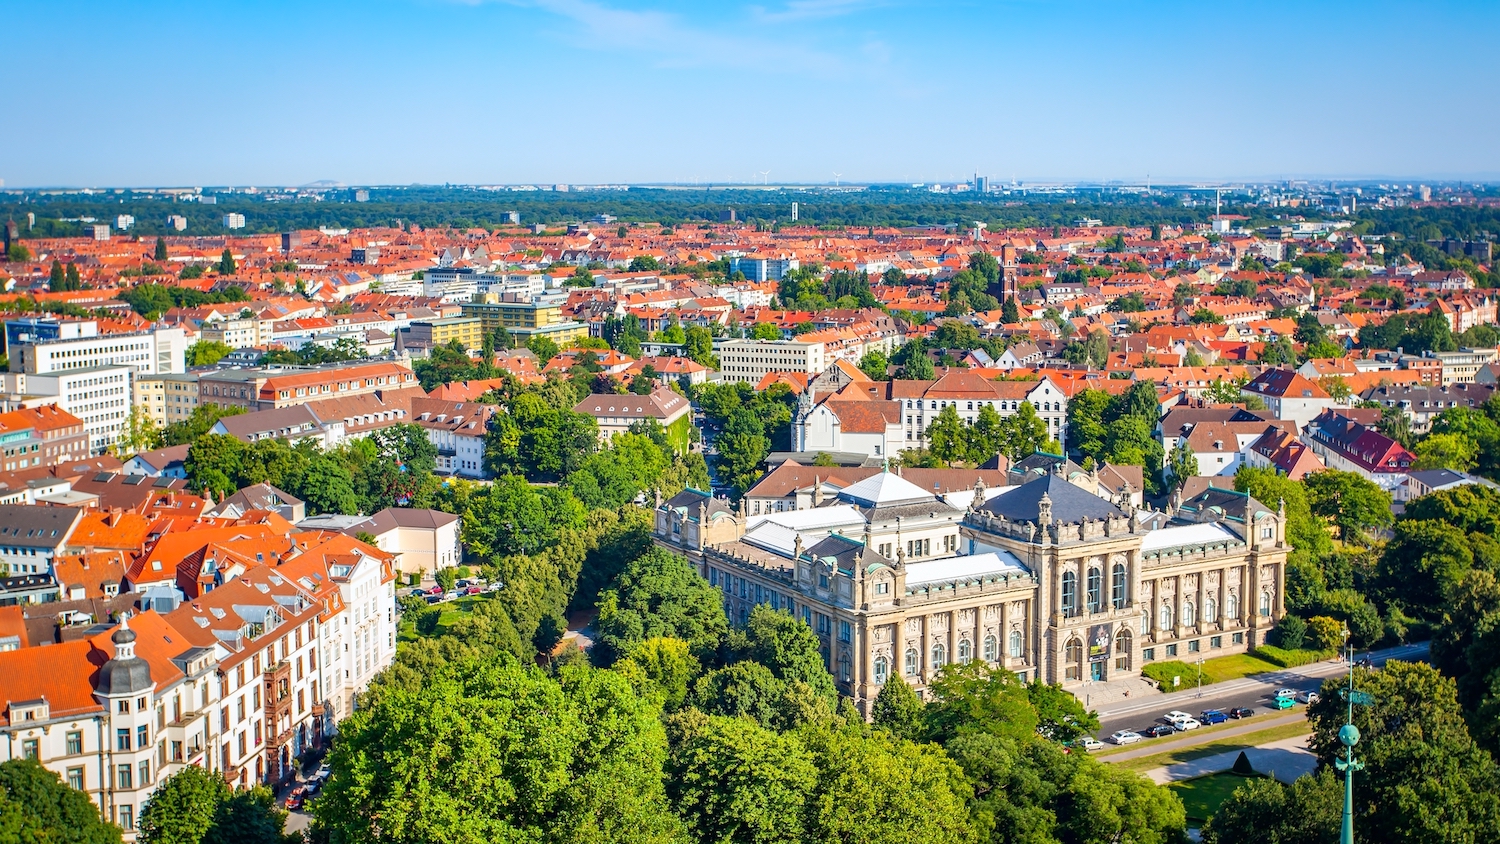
pixel 807 91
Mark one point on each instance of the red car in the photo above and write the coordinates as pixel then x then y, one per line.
pixel 473 590
pixel 436 590
pixel 294 800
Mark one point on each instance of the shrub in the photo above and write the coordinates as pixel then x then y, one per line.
pixel 1291 632
pixel 427 621
pixel 1289 658
pixel 1163 672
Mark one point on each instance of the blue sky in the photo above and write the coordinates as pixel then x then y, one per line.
pixel 587 91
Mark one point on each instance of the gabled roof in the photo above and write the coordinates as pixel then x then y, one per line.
pixel 1285 383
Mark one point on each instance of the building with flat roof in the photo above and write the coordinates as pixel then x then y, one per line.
pixel 525 317
pixel 427 334
pixel 166 398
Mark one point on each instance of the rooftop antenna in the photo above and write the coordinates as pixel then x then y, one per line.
pixel 836 179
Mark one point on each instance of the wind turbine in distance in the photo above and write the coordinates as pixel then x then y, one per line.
pixel 765 177
pixel 836 179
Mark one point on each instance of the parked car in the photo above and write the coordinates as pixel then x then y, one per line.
pixel 1185 724
pixel 1125 737
pixel 1090 743
pixel 1308 698
pixel 1283 703
pixel 1175 715
pixel 436 590
pixel 1286 692
pixel 294 800
pixel 434 599
pixel 1241 712
pixel 1212 716
pixel 1158 730
pixel 473 589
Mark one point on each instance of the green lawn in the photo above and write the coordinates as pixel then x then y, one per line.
pixel 1203 796
pixel 407 632
pixel 1215 670
pixel 1228 743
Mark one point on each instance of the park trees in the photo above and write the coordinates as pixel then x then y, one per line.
pixel 658 594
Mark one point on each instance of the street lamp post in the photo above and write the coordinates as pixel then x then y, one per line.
pixel 1348 737
pixel 1200 676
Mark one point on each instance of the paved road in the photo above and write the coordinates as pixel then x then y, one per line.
pixel 1285 759
pixel 1253 692
pixel 1193 738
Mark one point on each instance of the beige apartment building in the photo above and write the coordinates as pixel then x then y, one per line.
pixel 166 398
pixel 1045 579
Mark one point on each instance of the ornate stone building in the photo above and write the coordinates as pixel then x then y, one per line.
pixel 1044 579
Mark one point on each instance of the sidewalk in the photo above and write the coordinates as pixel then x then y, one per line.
pixel 1155 700
pixel 1151 747
pixel 1285 760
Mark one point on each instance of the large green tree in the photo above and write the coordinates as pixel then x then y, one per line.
pixel 658 594
pixel 37 807
pixel 485 750
pixel 1351 502
pixel 736 782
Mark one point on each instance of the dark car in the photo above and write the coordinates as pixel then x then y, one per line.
pixel 1241 712
pixel 1158 730
pixel 1212 716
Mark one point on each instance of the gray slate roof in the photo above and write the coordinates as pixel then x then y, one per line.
pixel 1070 504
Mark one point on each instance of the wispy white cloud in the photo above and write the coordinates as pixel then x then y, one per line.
pixel 670 40
pixel 802 10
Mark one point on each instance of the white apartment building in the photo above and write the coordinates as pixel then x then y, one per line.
pixel 65 346
pixel 752 360
pixel 101 397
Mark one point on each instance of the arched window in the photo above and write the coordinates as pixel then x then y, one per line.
pixel 1265 603
pixel 913 662
pixel 1210 609
pixel 1017 643
pixel 991 648
pixel 939 655
pixel 1145 621
pixel 1189 614
pixel 1117 586
pixel 1073 658
pixel 965 651
pixel 1122 650
pixel 1069 594
pixel 845 675
pixel 882 669
pixel 1232 607
pixel 1096 589
pixel 1165 619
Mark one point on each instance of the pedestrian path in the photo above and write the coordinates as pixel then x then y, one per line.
pixel 1285 760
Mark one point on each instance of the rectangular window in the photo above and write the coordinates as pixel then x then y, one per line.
pixel 30 748
pixel 1216 641
pixel 1193 646
pixel 75 743
pixel 122 738
pixel 122 776
pixel 844 631
pixel 145 771
pixel 142 737
pixel 1171 650
pixel 75 778
pixel 1237 638
pixel 1148 654
pixel 127 817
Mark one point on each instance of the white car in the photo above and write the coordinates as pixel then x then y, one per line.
pixel 1185 724
pixel 1090 743
pixel 1285 693
pixel 1175 715
pixel 1125 737
pixel 1308 698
